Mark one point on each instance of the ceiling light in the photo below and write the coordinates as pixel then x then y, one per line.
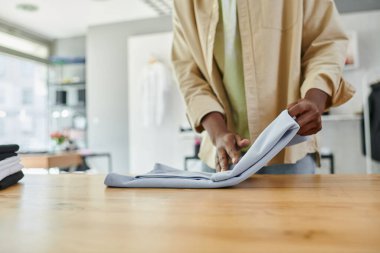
pixel 27 7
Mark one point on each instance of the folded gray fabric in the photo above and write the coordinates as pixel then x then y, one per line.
pixel 11 180
pixel 9 170
pixel 279 134
pixel 10 161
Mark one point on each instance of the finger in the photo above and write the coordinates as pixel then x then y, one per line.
pixel 310 128
pixel 223 159
pixel 291 105
pixel 310 132
pixel 217 166
pixel 313 130
pixel 242 143
pixel 298 109
pixel 231 149
pixel 308 117
pixel 232 153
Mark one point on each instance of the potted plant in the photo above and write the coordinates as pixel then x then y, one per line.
pixel 59 140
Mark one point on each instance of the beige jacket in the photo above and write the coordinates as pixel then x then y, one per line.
pixel 289 47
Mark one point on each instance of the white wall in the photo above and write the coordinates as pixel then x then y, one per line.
pixel 344 137
pixel 154 143
pixel 367 26
pixel 70 47
pixel 107 90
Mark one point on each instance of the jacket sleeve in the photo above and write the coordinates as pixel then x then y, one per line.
pixel 197 92
pixel 324 46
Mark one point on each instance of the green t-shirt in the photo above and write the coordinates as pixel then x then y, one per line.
pixel 228 56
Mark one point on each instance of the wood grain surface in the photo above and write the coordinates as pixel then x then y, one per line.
pixel 292 213
pixel 64 159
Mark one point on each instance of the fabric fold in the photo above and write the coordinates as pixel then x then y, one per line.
pixel 10 166
pixel 4 156
pixel 280 133
pixel 9 170
pixel 164 171
pixel 9 148
pixel 11 180
pixel 9 161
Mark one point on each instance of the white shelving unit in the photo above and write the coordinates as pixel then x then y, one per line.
pixel 67 99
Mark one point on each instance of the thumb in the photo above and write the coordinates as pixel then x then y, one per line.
pixel 242 143
pixel 291 105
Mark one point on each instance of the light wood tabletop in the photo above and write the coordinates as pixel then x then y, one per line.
pixel 296 213
pixel 63 159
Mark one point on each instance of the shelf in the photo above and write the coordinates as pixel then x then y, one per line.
pixel 82 83
pixel 341 117
pixel 62 64
pixel 59 60
pixel 79 106
pixel 67 96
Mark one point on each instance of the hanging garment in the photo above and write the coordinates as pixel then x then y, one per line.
pixel 374 115
pixel 11 180
pixel 279 134
pixel 155 83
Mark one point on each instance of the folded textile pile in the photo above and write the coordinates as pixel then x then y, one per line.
pixel 10 167
pixel 280 133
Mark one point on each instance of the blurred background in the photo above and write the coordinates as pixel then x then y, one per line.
pixel 76 89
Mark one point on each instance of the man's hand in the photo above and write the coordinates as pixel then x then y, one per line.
pixel 227 143
pixel 228 150
pixel 308 111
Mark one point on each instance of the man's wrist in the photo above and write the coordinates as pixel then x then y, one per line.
pixel 320 98
pixel 215 125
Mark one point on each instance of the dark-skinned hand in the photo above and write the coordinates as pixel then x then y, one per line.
pixel 308 111
pixel 228 147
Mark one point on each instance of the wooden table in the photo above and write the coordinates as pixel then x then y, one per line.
pixel 61 160
pixel 47 161
pixel 299 213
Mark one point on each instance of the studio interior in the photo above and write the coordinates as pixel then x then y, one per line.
pixel 189 126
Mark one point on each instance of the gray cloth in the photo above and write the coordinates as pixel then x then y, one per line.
pixel 9 166
pixel 7 155
pixel 280 133
pixel 306 165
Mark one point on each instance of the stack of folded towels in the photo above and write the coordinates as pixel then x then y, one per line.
pixel 10 167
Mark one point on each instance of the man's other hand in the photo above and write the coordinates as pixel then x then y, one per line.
pixel 308 111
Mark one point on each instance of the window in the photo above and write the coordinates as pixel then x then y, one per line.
pixel 23 103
